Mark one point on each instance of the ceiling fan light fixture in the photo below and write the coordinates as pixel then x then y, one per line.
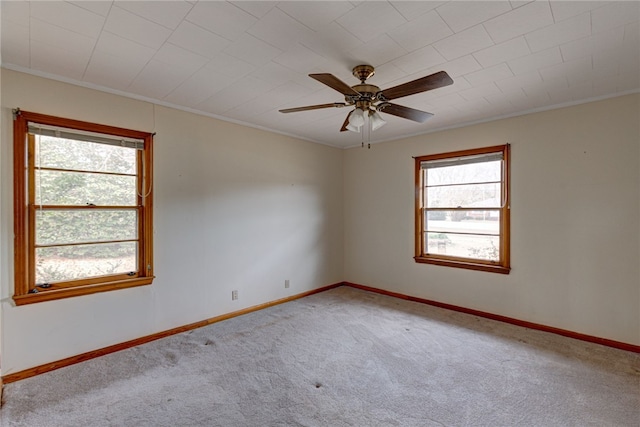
pixel 356 118
pixel 376 120
pixel 353 128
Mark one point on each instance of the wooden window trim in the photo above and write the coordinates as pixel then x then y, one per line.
pixel 503 266
pixel 24 230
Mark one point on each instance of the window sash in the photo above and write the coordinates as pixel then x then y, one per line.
pixel 436 255
pixel 35 207
pixel 26 291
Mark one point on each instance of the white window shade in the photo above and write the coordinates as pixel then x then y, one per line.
pixel 98 138
pixel 458 161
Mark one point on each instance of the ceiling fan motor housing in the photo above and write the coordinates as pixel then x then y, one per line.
pixel 367 94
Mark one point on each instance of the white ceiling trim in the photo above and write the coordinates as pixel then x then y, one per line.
pixel 505 116
pixel 111 91
pixel 263 128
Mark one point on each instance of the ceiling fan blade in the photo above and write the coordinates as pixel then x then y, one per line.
pixel 404 112
pixel 345 124
pixel 334 83
pixel 433 81
pixel 313 107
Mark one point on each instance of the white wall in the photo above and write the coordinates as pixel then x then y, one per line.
pixel 235 209
pixel 575 217
pixel 239 208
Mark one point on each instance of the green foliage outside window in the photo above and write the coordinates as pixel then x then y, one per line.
pixel 77 174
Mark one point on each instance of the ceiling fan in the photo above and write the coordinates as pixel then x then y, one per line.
pixel 369 99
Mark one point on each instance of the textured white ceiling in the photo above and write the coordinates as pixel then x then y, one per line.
pixel 245 60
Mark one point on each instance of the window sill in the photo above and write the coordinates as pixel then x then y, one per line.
pixel 54 294
pixel 463 264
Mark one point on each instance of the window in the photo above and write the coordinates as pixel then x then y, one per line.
pixel 462 209
pixel 82 206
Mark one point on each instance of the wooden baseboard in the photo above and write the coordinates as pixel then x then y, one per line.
pixel 27 373
pixel 576 335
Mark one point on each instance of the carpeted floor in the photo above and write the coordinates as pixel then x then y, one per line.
pixel 344 357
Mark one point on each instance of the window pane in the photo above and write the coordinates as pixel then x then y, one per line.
pixel 57 264
pixel 463 245
pixel 463 174
pixel 457 221
pixel 77 188
pixel 465 196
pixel 54 227
pixel 62 153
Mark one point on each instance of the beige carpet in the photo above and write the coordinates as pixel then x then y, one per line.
pixel 344 357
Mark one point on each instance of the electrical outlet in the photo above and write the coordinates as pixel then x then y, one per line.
pixel 286 283
pixel 234 295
